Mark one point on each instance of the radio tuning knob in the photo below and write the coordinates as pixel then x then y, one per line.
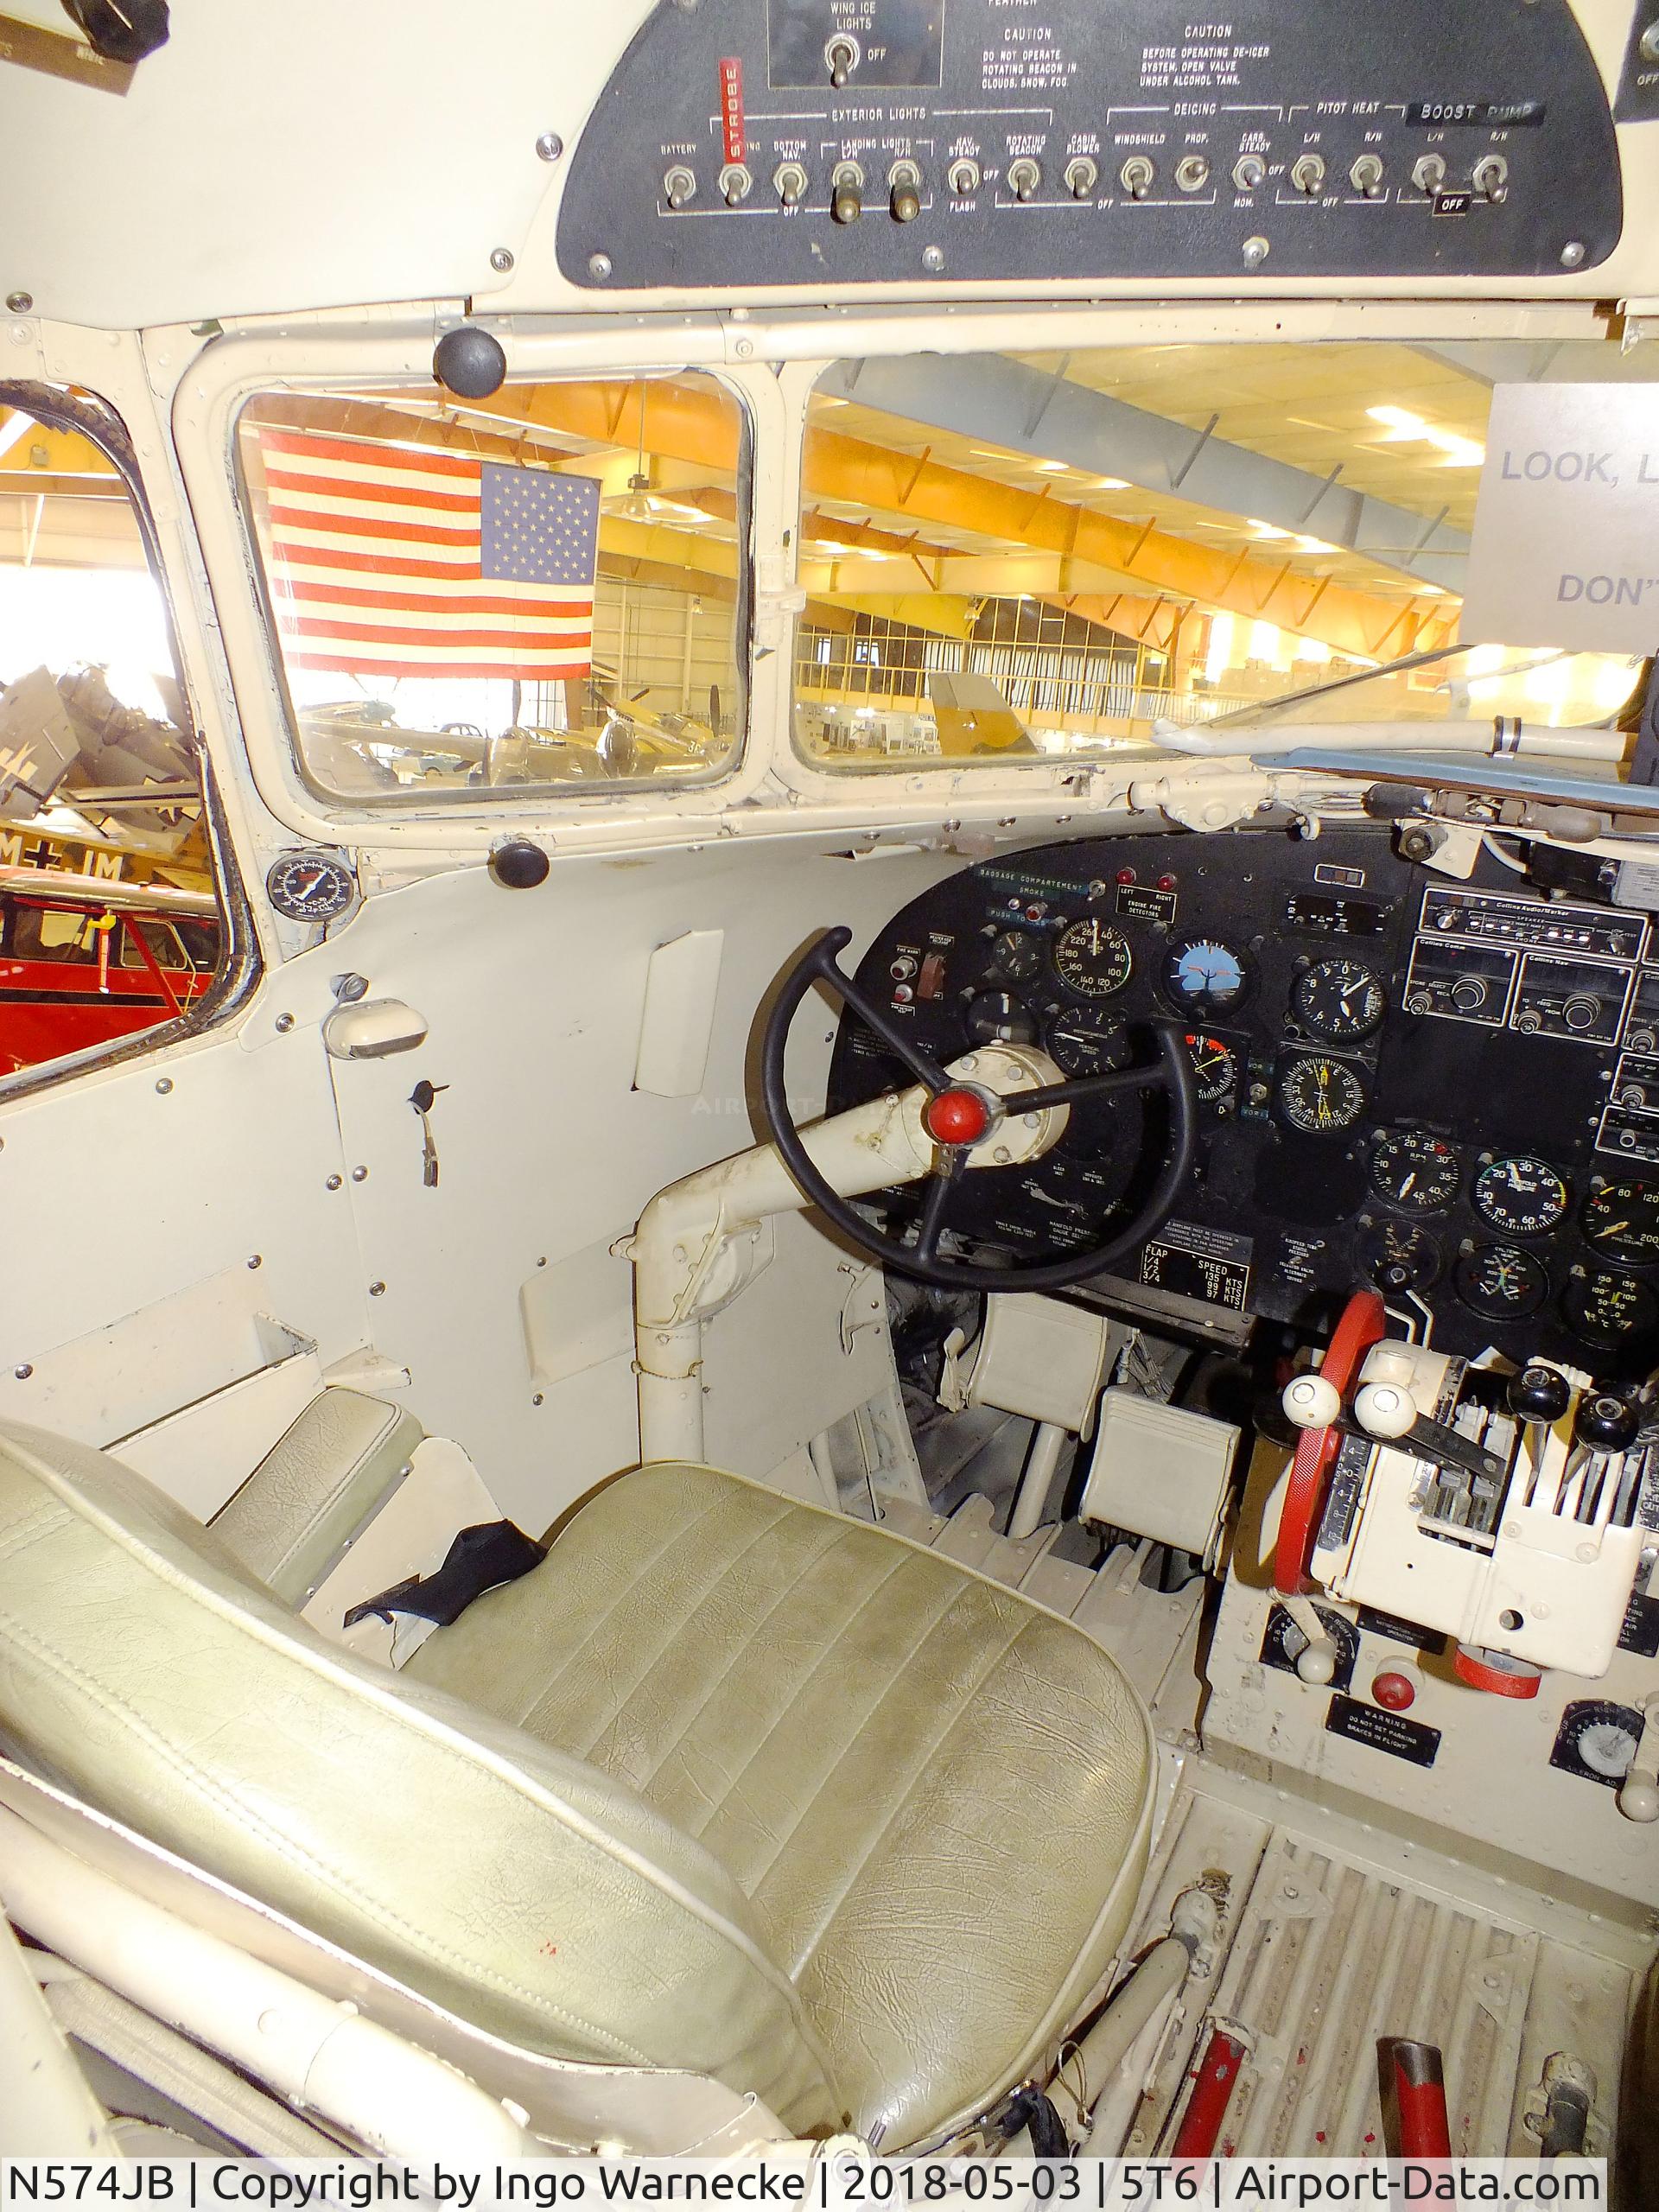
pixel 1582 1012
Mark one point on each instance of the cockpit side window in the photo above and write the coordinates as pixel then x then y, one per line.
pixel 544 590
pixel 106 826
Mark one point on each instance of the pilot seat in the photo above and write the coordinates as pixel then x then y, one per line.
pixel 727 1784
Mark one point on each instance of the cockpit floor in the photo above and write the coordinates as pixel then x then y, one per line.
pixel 1338 1938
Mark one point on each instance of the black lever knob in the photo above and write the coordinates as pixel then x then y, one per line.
pixel 1605 1423
pixel 1539 1392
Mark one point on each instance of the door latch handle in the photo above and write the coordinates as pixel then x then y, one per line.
pixel 373 1030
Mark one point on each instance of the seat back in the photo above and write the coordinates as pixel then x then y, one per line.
pixel 145 1670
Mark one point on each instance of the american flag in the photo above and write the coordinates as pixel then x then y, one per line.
pixel 394 561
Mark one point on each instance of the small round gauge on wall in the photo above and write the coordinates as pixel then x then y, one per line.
pixel 309 887
pixel 1339 1000
pixel 1206 976
pixel 1522 1195
pixel 1320 1096
pixel 1415 1172
pixel 1093 959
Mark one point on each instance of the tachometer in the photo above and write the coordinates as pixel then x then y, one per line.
pixel 1522 1195
pixel 1321 1096
pixel 1215 1069
pixel 1501 1281
pixel 1205 974
pixel 1093 959
pixel 1622 1221
pixel 1606 1308
pixel 1084 1042
pixel 1340 999
pixel 1415 1172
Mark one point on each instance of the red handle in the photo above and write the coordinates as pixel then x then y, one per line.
pixel 1363 1323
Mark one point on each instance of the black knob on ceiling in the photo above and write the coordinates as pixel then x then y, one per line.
pixel 470 362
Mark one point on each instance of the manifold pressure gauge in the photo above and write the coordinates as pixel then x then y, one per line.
pixel 309 887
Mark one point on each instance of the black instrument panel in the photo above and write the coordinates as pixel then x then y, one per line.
pixel 821 142
pixel 1448 1091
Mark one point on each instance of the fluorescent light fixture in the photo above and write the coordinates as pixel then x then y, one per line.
pixel 1269 530
pixel 1112 483
pixel 1317 545
pixel 1407 428
pixel 1051 468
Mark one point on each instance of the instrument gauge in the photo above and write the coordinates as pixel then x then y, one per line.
pixel 1622 1221
pixel 1093 959
pixel 309 887
pixel 1082 1041
pixel 1606 1309
pixel 1501 1281
pixel 1522 1195
pixel 1340 1000
pixel 1399 1255
pixel 999 1018
pixel 1206 976
pixel 1321 1096
pixel 1215 1069
pixel 1415 1172
pixel 1017 956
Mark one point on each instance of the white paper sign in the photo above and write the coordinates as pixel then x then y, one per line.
pixel 1566 544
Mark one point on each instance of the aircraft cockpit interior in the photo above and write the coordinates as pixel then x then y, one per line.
pixel 829 1089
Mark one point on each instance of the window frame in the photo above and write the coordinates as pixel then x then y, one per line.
pixel 207 413
pixel 240 964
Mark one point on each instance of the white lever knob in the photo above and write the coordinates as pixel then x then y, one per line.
pixel 1318 1664
pixel 1384 1409
pixel 1311 1401
pixel 1638 1794
pixel 1639 1798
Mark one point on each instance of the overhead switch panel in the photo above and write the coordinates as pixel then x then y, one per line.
pixel 1066 139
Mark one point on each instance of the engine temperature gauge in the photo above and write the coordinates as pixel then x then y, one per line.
pixel 1607 1309
pixel 1093 959
pixel 1522 1195
pixel 1321 1096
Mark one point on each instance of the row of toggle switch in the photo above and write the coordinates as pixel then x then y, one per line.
pixel 1137 176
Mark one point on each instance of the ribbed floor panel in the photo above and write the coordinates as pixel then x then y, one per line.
pixel 1329 1953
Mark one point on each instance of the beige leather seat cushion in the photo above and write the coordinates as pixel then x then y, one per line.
pixel 936 1796
pixel 145 1671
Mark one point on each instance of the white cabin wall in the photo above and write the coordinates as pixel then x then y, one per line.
pixel 532 1001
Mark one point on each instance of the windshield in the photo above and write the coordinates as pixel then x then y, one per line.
pixel 1012 556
